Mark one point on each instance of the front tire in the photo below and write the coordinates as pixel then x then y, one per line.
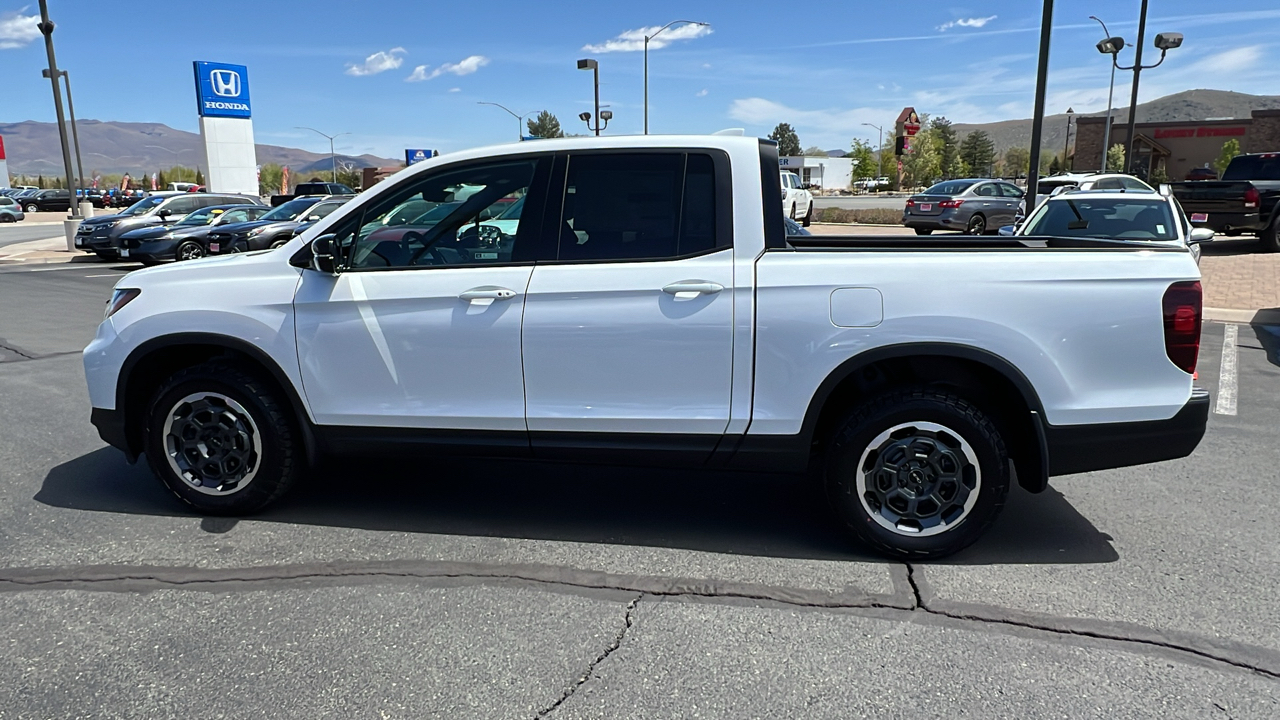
pixel 917 473
pixel 33 208
pixel 189 250
pixel 220 437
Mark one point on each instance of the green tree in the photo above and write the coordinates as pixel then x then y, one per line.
pixel 161 180
pixel 1230 149
pixel 948 147
pixel 978 152
pixel 1115 158
pixel 269 178
pixel 815 151
pixel 545 125
pixel 923 165
pixel 1017 161
pixel 864 160
pixel 788 141
pixel 1055 166
pixel 199 177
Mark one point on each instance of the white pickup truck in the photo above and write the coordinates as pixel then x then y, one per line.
pixel 648 307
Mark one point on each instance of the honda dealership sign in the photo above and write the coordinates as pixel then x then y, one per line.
pixel 222 90
pixel 222 100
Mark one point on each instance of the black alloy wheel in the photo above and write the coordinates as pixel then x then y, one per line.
pixel 189 250
pixel 917 473
pixel 977 225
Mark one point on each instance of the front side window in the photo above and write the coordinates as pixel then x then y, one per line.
pixel 987 190
pixel 1010 191
pixel 445 219
pixel 637 207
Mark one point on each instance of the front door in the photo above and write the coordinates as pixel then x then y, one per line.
pixel 421 329
pixel 628 332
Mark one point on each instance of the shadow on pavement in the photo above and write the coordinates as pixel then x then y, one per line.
pixel 1269 338
pixel 737 513
pixel 1223 246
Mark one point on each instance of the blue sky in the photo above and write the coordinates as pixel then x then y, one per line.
pixel 410 74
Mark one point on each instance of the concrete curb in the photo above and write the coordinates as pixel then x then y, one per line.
pixel 1261 316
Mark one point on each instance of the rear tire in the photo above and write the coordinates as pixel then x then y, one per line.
pixel 221 438
pixel 7 218
pixel 808 216
pixel 924 231
pixel 1269 239
pixel 792 214
pixel 917 473
pixel 977 225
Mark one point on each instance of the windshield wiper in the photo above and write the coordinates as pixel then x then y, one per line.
pixel 1080 223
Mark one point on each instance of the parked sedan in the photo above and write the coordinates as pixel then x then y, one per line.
pixel 185 240
pixel 10 210
pixel 974 206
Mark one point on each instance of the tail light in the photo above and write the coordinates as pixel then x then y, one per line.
pixel 1182 313
pixel 950 204
pixel 911 202
pixel 1251 197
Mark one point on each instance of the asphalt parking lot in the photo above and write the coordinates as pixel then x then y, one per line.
pixel 492 589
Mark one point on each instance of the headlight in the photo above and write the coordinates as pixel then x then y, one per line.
pixel 257 231
pixel 119 298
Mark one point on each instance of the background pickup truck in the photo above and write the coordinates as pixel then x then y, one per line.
pixel 1243 201
pixel 648 306
pixel 312 188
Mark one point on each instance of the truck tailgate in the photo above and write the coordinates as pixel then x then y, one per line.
pixel 1212 196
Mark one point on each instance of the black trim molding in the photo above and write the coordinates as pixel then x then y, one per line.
pixel 1102 446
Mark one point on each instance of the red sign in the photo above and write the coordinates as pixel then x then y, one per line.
pixel 1200 132
pixel 1 147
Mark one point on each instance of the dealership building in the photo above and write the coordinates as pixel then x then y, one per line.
pixel 828 173
pixel 1177 147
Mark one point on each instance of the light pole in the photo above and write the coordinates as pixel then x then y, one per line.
pixel 1067 147
pixel 647 38
pixel 594 67
pixel 1037 115
pixel 46 29
pixel 1164 43
pixel 879 149
pixel 605 115
pixel 332 158
pixel 1108 46
pixel 519 118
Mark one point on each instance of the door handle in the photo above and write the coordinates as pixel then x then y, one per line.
pixel 486 294
pixel 692 288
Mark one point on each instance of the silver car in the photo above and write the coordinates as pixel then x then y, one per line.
pixel 10 210
pixel 975 206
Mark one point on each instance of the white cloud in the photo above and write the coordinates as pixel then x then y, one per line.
pixel 965 22
pixel 702 92
pixel 830 122
pixel 465 67
pixel 378 62
pixel 633 40
pixel 17 30
pixel 1232 61
pixel 455 89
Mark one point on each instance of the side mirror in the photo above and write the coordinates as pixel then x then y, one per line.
pixel 1200 235
pixel 323 258
pixel 164 213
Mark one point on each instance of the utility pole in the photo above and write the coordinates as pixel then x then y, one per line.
pixel 46 29
pixel 1037 117
pixel 1133 100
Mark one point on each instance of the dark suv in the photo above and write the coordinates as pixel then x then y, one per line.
pixel 47 201
pixel 101 235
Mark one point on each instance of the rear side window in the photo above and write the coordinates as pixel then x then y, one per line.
pixel 1254 167
pixel 6 201
pixel 642 206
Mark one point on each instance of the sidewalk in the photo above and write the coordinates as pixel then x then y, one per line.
pixel 46 250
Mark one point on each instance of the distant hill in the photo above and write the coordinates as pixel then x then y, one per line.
pixel 1187 106
pixel 118 147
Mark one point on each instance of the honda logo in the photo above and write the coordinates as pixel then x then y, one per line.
pixel 225 83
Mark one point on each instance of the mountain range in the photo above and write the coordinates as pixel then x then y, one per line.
pixel 1186 106
pixel 118 147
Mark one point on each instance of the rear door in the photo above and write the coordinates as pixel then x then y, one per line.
pixel 628 331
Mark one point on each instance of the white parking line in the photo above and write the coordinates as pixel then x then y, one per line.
pixel 114 274
pixel 1227 375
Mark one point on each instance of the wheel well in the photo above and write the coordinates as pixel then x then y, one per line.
pixel 980 383
pixel 141 378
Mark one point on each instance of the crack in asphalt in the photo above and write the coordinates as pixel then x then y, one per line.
pixel 20 353
pixel 923 600
pixel 591 667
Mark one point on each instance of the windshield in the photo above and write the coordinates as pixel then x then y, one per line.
pixel 290 210
pixel 513 212
pixel 203 216
pixel 1119 218
pixel 950 187
pixel 144 206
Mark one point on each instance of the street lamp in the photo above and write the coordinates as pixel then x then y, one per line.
pixel 1164 43
pixel 46 28
pixel 594 67
pixel 1110 46
pixel 879 148
pixel 332 158
pixel 647 38
pixel 1067 146
pixel 605 115
pixel 519 118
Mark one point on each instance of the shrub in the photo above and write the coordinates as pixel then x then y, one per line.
pixel 872 216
